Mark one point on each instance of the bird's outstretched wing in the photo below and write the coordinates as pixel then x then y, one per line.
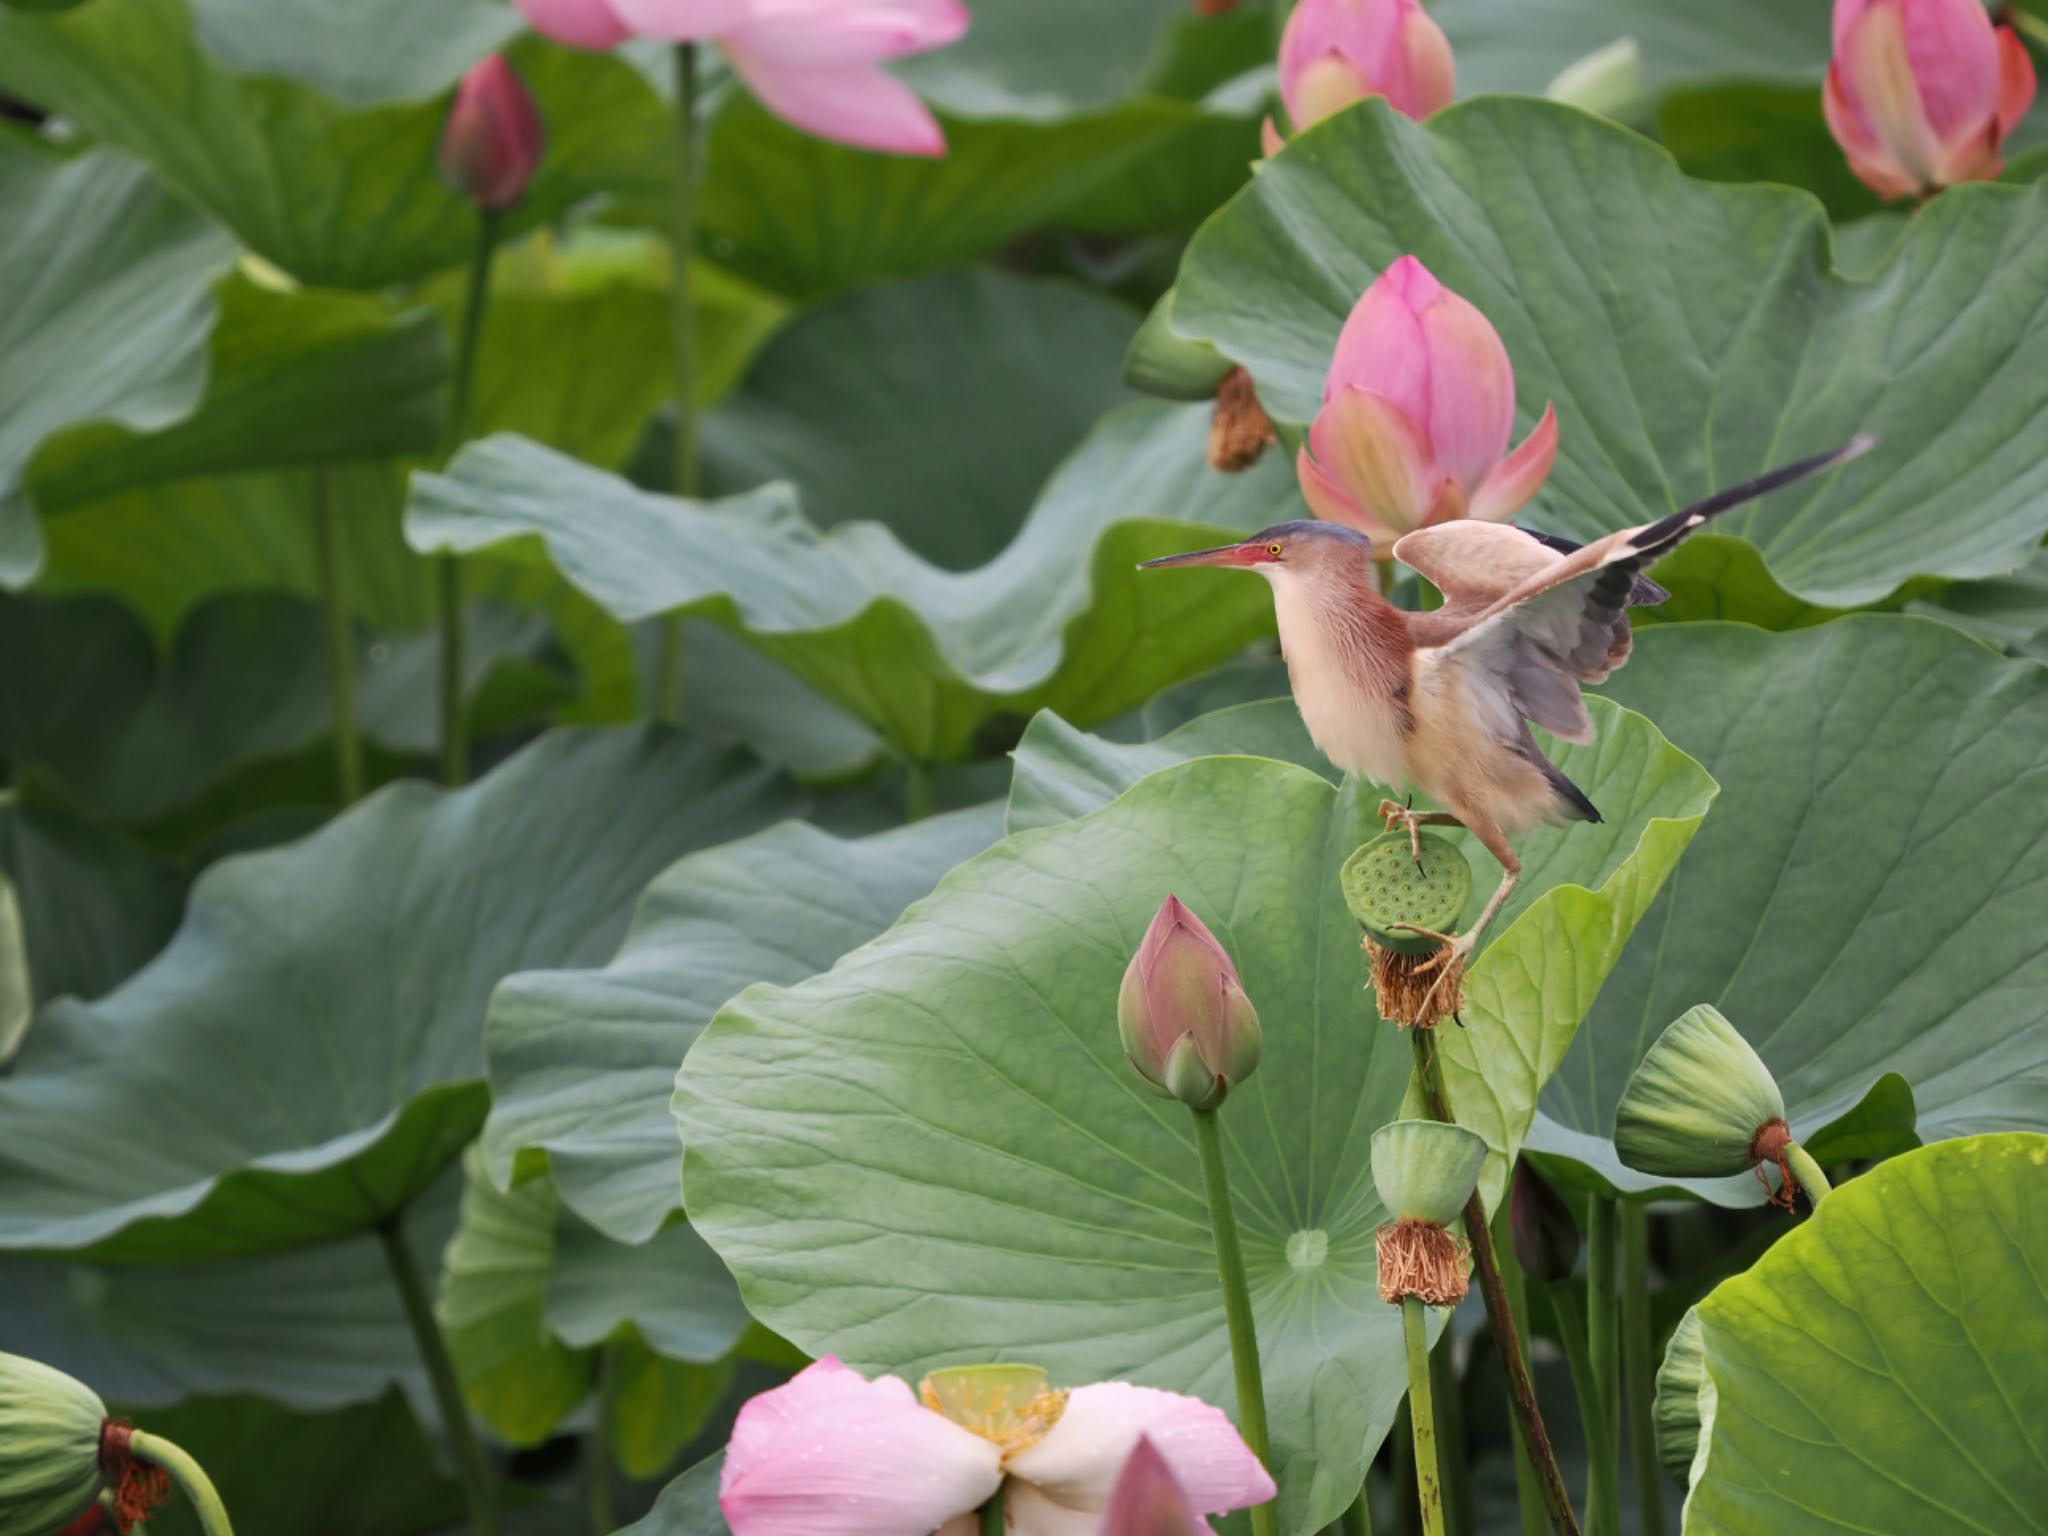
pixel 1562 621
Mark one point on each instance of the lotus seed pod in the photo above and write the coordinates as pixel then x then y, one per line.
pixel 1009 1404
pixel 1384 889
pixel 1695 1103
pixel 1677 1414
pixel 1425 1169
pixel 49 1447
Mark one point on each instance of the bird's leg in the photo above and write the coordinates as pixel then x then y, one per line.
pixel 1392 811
pixel 1449 961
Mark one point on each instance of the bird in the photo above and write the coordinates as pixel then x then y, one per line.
pixel 1443 701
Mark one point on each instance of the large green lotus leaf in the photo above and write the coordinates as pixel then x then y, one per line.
pixel 688 1506
pixel 1863 899
pixel 583 1062
pixel 293 379
pixel 1756 132
pixel 936 408
pixel 339 196
pixel 110 302
pixel 90 703
pixel 307 1053
pixel 81 908
pixel 927 657
pixel 1502 45
pixel 1878 1370
pixel 1538 975
pixel 359 53
pixel 2010 613
pixel 1689 333
pixel 367 1470
pixel 936 1152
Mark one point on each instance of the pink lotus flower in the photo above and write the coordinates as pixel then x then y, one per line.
pixel 1148 1502
pixel 814 63
pixel 829 1453
pixel 1922 93
pixel 1187 1026
pixel 492 141
pixel 1417 410
pixel 1336 52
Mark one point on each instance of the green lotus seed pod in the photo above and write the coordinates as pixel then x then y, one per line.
pixel 1425 1169
pixel 1383 889
pixel 49 1446
pixel 1696 1102
pixel 1677 1414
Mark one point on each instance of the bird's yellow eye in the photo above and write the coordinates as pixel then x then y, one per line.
pixel 1273 549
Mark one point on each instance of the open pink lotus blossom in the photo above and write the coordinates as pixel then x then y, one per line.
pixel 1418 407
pixel 1336 52
pixel 830 1453
pixel 1148 1501
pixel 1922 93
pixel 814 63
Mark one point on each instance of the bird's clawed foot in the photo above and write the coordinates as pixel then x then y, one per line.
pixel 1394 813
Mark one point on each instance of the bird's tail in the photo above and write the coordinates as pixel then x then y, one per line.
pixel 1654 538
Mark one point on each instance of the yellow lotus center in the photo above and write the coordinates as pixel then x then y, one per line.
pixel 1010 1406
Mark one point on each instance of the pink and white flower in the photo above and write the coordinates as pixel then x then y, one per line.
pixel 1336 52
pixel 830 1453
pixel 815 63
pixel 1148 1500
pixel 1418 407
pixel 1922 93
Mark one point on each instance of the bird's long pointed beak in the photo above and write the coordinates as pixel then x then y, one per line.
pixel 1224 555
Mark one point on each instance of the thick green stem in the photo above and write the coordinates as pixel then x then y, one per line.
pixel 603 1520
pixel 1603 1497
pixel 1808 1173
pixel 920 791
pixel 1528 1487
pixel 1429 1493
pixel 188 1475
pixel 479 1482
pixel 341 640
pixel 667 695
pixel 1603 1347
pixel 1237 1306
pixel 1637 1370
pixel 993 1522
pixel 1499 1314
pixel 461 391
pixel 1357 1519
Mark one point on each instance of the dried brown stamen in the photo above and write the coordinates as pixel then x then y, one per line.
pixel 1768 1146
pixel 1416 991
pixel 1421 1259
pixel 138 1487
pixel 1240 430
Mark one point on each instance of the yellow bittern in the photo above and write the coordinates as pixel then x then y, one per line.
pixel 1443 701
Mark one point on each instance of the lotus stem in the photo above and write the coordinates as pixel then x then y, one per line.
pixel 666 700
pixel 1237 1306
pixel 448 565
pixel 341 648
pixel 188 1475
pixel 479 1482
pixel 603 1519
pixel 1808 1173
pixel 1603 1346
pixel 1603 1497
pixel 993 1522
pixel 1528 1487
pixel 920 790
pixel 1429 1493
pixel 1637 1369
pixel 1506 1337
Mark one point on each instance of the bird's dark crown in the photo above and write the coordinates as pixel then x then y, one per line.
pixel 1310 528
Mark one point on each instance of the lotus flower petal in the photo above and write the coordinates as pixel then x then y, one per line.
pixel 1077 1464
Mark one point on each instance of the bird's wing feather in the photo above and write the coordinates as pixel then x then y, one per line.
pixel 1566 623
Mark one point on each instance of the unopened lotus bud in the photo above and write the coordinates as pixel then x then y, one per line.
pixel 1187 1026
pixel 1697 1101
pixel 50 1429
pixel 1337 52
pixel 1404 906
pixel 1546 1237
pixel 1677 1413
pixel 492 142
pixel 1425 1171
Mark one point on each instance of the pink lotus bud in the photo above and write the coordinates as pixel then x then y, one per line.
pixel 1187 1026
pixel 1417 410
pixel 1922 93
pixel 1336 52
pixel 492 141
pixel 1546 1238
pixel 1148 1501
